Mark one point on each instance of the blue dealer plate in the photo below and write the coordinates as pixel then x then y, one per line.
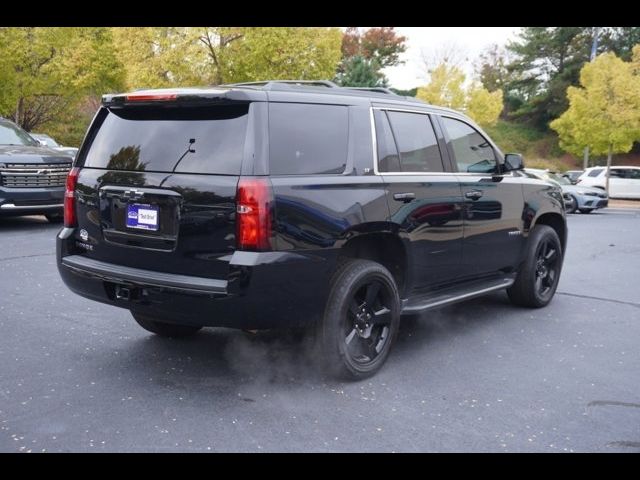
pixel 142 216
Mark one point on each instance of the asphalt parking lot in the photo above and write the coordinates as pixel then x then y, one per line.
pixel 481 376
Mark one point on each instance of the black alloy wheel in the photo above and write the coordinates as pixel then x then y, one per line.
pixel 361 319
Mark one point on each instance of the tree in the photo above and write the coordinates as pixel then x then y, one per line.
pixel 45 72
pixel 360 72
pixel 604 111
pixel 159 57
pixel 371 50
pixel 447 88
pixel 305 53
pixel 547 61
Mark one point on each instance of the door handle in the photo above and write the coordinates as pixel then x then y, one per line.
pixel 474 194
pixel 404 197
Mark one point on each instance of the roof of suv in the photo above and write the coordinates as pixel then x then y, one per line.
pixel 323 91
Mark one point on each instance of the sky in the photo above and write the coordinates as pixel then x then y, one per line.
pixel 430 40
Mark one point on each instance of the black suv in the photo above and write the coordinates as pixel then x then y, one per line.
pixel 291 204
pixel 32 176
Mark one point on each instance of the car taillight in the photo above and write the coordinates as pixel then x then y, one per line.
pixel 70 219
pixel 253 219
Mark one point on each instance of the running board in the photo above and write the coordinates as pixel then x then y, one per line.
pixel 426 301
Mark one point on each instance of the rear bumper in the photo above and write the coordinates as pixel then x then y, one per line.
pixel 262 289
pixel 31 201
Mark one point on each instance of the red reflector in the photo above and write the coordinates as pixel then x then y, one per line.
pixel 70 219
pixel 253 214
pixel 151 97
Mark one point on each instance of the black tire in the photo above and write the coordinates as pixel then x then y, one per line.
pixel 539 274
pixel 586 210
pixel 163 329
pixel 573 206
pixel 360 321
pixel 55 217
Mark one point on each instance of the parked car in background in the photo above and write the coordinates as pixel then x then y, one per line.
pixel 285 204
pixel 576 197
pixel 51 143
pixel 32 176
pixel 572 175
pixel 624 182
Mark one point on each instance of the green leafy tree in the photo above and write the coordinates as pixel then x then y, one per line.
pixel 304 53
pixel 447 88
pixel 604 111
pixel 360 72
pixel 46 72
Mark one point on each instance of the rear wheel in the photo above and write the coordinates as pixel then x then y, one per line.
pixel 537 280
pixel 164 329
pixel 361 319
pixel 54 217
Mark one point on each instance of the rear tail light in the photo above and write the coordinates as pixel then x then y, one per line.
pixel 70 219
pixel 254 203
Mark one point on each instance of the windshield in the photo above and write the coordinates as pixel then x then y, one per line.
pixel 13 135
pixel 48 140
pixel 559 179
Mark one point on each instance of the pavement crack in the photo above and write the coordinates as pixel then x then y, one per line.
pixel 613 403
pixel 591 297
pixel 6 259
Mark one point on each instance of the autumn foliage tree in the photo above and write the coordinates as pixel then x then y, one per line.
pixel 447 88
pixel 604 110
pixel 368 52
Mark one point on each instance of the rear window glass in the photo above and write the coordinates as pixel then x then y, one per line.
pixel 306 139
pixel 167 139
pixel 595 172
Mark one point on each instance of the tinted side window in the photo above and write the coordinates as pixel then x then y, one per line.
pixel 595 172
pixel 617 173
pixel 634 174
pixel 307 139
pixel 472 151
pixel 416 141
pixel 388 159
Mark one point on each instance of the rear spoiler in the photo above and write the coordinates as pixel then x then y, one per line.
pixel 189 96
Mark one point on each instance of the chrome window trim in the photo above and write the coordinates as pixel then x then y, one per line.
pixel 374 143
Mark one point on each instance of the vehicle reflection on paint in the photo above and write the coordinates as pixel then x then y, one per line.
pixel 426 212
pixel 307 223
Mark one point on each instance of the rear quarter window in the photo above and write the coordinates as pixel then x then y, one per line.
pixel 596 172
pixel 307 139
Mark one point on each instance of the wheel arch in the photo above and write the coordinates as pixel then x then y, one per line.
pixel 385 248
pixel 557 222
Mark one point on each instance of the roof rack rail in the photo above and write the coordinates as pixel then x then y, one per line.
pixel 374 89
pixel 268 84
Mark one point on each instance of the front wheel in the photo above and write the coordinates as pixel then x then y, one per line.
pixel 538 278
pixel 361 319
pixel 164 329
pixel 572 206
pixel 586 210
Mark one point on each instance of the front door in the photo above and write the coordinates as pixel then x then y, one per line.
pixel 493 203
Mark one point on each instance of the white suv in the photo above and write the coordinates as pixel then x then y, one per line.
pixel 624 182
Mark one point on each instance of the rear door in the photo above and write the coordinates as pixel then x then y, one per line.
pixel 424 200
pixel 493 203
pixel 157 186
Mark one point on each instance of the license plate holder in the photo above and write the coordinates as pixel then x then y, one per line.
pixel 143 216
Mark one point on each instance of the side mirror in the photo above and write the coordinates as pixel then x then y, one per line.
pixel 513 161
